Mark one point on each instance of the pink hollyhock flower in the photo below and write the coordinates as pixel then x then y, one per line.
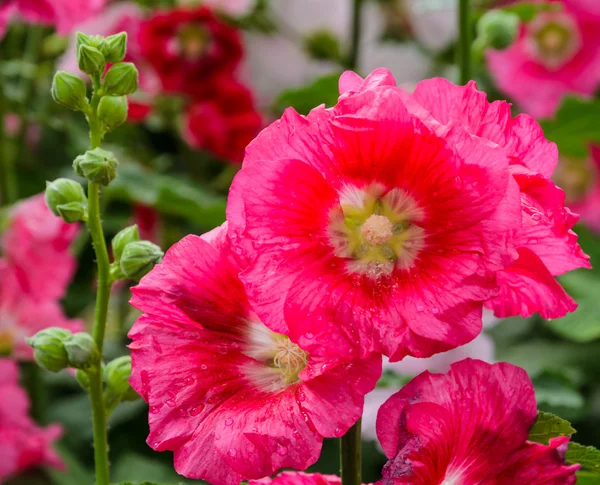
pixel 232 398
pixel 62 14
pixel 298 478
pixel 557 53
pixel 23 444
pixel 468 426
pixel 223 121
pixel 542 236
pixel 37 247
pixel 402 226
pixel 22 315
pixel 121 17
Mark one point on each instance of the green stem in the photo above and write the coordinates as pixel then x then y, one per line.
pixel 350 456
pixel 353 56
pixel 99 425
pixel 465 40
pixel 102 297
pixel 9 187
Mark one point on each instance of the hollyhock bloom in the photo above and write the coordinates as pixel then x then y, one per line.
pixel 185 47
pixel 298 478
pixel 556 54
pixel 121 17
pixel 23 444
pixel 37 247
pixel 468 426
pixel 581 182
pixel 62 14
pixel 400 225
pixel 232 398
pixel 22 315
pixel 224 121
pixel 545 245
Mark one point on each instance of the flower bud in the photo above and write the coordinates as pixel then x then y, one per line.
pixel 82 351
pixel 115 47
pixel 69 91
pixel 96 41
pixel 138 258
pixel 112 111
pixel 83 379
pixel 498 29
pixel 121 79
pixel 323 45
pixel 66 199
pixel 123 238
pixel 49 349
pixel 90 60
pixel 97 165
pixel 116 376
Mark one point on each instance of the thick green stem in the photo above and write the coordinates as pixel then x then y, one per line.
pixel 465 40
pixel 102 297
pixel 99 425
pixel 353 56
pixel 350 456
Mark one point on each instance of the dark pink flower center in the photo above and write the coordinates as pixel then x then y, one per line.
pixel 554 39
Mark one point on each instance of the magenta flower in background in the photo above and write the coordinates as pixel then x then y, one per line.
pixel 298 478
pixel 36 245
pixel 468 426
pixel 23 444
pixel 64 15
pixel 402 226
pixel 231 397
pixel 556 54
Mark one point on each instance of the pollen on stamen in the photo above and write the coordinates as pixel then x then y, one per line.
pixel 377 229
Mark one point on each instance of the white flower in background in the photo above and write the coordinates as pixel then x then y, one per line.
pixel 230 7
pixel 481 348
pixel 279 61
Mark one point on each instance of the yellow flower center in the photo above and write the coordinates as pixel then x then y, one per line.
pixel 554 39
pixel 192 42
pixel 377 229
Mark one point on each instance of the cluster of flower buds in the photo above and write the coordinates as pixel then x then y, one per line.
pixel 56 349
pixel 133 258
pixel 497 29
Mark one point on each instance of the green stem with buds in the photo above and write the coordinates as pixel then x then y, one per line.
pixel 350 456
pixel 94 224
pixel 465 40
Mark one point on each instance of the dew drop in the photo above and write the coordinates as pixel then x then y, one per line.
pixel 170 403
pixel 232 452
pixel 281 450
pixel 337 432
pixel 196 411
pixel 301 397
pixel 309 335
pixel 189 381
pixel 228 422
pixel 203 367
pixel 420 308
pixel 435 310
pixel 222 349
pixel 154 410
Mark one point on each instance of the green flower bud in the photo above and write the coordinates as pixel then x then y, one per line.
pixel 121 79
pixel 69 91
pixel 323 45
pixel 49 348
pixel 498 29
pixel 97 165
pixel 90 60
pixel 138 258
pixel 96 41
pixel 66 199
pixel 115 47
pixel 123 238
pixel 112 111
pixel 116 376
pixel 83 379
pixel 82 351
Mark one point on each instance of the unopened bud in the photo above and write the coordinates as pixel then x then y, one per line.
pixel 96 41
pixel 97 165
pixel 123 238
pixel 66 199
pixel 498 29
pixel 138 258
pixel 112 111
pixel 115 47
pixel 83 379
pixel 82 351
pixel 49 348
pixel 121 79
pixel 90 60
pixel 116 376
pixel 323 45
pixel 69 90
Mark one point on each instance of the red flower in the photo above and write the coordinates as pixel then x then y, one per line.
pixel 232 398
pixel 377 233
pixel 22 443
pixel 187 46
pixel 223 121
pixel 298 478
pixel 469 426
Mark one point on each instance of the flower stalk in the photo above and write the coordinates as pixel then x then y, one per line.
pixel 353 55
pixel 465 40
pixel 351 456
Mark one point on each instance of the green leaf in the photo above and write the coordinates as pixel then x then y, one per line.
pixel 586 478
pixel 574 126
pixel 582 325
pixel 548 426
pixel 321 91
pixel 139 468
pixel 527 11
pixel 587 456
pixel 168 194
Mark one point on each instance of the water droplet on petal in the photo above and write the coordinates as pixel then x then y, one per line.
pixel 189 381
pixel 222 349
pixel 170 403
pixel 228 422
pixel 435 310
pixel 203 367
pixel 301 397
pixel 420 308
pixel 232 452
pixel 154 410
pixel 281 450
pixel 309 335
pixel 196 411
